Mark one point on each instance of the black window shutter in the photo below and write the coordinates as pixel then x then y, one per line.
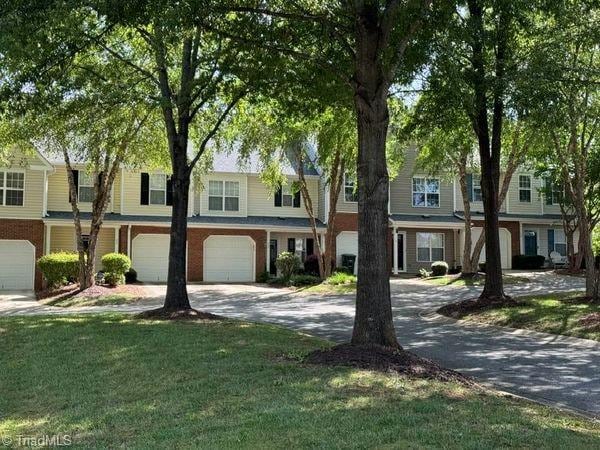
pixel 297 200
pixel 310 246
pixel 169 191
pixel 145 189
pixel 291 245
pixel 470 186
pixel 278 197
pixel 76 181
pixel 100 177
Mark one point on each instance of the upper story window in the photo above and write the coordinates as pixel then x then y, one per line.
pixel 12 187
pixel 85 191
pixel 430 247
pixel 223 195
pixel 554 194
pixel 350 192
pixel 158 189
pixel 525 188
pixel 285 197
pixel 476 189
pixel 426 192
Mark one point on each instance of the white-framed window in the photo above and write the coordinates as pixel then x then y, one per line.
pixel 158 189
pixel 554 192
pixel 287 198
pixel 85 190
pixel 560 242
pixel 350 192
pixel 525 188
pixel 476 189
pixel 426 192
pixel 12 188
pixel 223 195
pixel 430 247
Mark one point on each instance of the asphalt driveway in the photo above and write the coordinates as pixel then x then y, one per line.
pixel 558 370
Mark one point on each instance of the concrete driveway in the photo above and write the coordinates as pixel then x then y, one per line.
pixel 553 369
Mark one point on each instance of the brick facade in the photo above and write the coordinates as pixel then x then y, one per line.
pixel 196 238
pixel 26 230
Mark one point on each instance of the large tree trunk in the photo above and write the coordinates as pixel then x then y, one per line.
pixel 468 267
pixel 177 297
pixel 373 322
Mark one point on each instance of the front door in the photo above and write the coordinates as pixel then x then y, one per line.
pixel 273 256
pixel 401 252
pixel 530 242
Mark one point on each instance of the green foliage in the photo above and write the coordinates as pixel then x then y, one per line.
pixel 596 240
pixel 304 280
pixel 424 273
pixel 113 279
pixel 59 268
pixel 288 264
pixel 528 262
pixel 263 277
pixel 115 266
pixel 439 268
pixel 131 276
pixel 338 278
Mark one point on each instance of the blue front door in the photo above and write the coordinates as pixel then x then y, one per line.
pixel 530 242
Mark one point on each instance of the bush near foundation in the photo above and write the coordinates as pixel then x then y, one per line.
pixel 439 268
pixel 59 268
pixel 115 266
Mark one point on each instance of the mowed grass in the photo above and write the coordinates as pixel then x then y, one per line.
pixel 337 283
pixel 557 313
pixel 111 381
pixel 110 299
pixel 456 280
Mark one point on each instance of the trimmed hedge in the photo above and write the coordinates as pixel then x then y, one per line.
pixel 59 268
pixel 115 266
pixel 528 262
pixel 439 268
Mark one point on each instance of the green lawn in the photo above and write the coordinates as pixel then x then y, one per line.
pixel 551 313
pixel 455 280
pixel 110 299
pixel 326 288
pixel 111 381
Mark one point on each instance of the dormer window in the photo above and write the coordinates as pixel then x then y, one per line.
pixel 12 187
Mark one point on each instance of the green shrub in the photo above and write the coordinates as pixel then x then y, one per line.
pixel 116 262
pixel 304 280
pixel 263 277
pixel 288 264
pixel 113 278
pixel 59 268
pixel 528 262
pixel 337 278
pixel 130 276
pixel 439 268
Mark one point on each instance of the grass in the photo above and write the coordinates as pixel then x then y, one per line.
pixel 455 280
pixel 110 381
pixel 110 299
pixel 557 313
pixel 337 283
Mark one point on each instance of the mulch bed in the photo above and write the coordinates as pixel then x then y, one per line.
pixel 465 307
pixel 61 292
pixel 100 291
pixel 385 359
pixel 591 320
pixel 181 315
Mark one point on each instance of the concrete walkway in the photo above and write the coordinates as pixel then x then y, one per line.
pixel 558 370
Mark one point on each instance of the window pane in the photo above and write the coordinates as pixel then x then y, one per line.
pixel 437 254
pixel 433 185
pixel 232 204
pixel 437 240
pixel 524 181
pixel 215 187
pixel 86 194
pixel 215 203
pixel 85 179
pixel 524 196
pixel 561 248
pixel 158 182
pixel 286 200
pixel 423 254
pixel 232 188
pixel 350 195
pixel 1 196
pixel 15 180
pixel 418 184
pixel 418 199
pixel 559 236
pixel 423 240
pixel 433 200
pixel 157 197
pixel 14 198
pixel 1 179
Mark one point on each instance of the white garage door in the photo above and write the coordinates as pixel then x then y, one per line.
pixel 17 264
pixel 505 250
pixel 229 259
pixel 150 256
pixel 346 243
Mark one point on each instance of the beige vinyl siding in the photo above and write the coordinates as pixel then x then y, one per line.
pixel 401 190
pixel 262 203
pixel 476 207
pixel 131 197
pixel 62 238
pixel 412 266
pixel 33 195
pixel 344 206
pixel 542 236
pixel 243 189
pixel 321 203
pixel 517 207
pixel 20 159
pixel 58 192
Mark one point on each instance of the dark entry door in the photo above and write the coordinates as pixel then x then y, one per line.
pixel 530 242
pixel 400 251
pixel 273 256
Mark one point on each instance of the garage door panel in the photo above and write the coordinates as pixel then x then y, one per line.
pixel 17 265
pixel 346 243
pixel 151 257
pixel 505 246
pixel 229 259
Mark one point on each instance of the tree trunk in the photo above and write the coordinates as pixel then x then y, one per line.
pixel 373 322
pixel 468 268
pixel 177 297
